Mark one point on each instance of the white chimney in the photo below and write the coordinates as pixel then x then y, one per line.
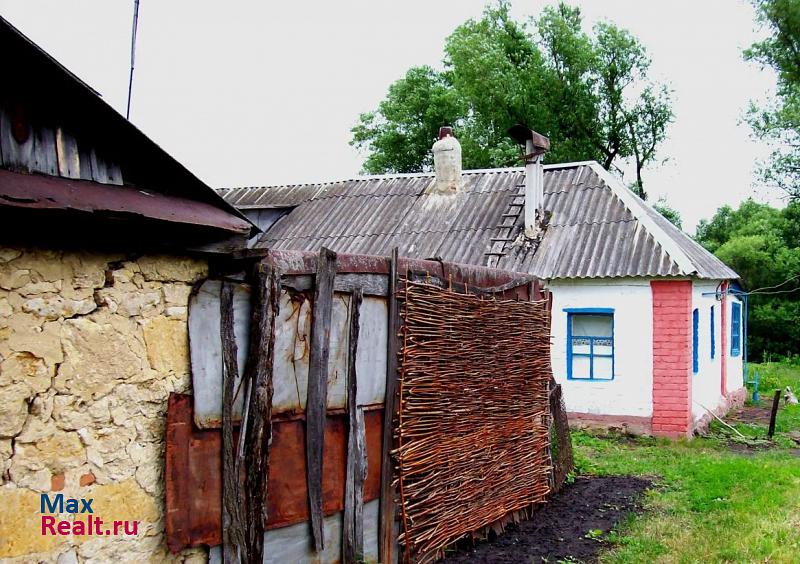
pixel 535 145
pixel 446 163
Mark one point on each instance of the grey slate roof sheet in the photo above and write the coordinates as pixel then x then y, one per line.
pixel 598 228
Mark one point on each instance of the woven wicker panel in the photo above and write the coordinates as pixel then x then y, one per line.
pixel 473 437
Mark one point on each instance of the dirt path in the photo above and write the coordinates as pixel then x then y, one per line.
pixel 559 529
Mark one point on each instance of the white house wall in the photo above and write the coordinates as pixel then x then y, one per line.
pixel 706 383
pixel 735 380
pixel 630 393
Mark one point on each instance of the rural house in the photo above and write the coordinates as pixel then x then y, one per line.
pixel 646 333
pixel 129 307
pixel 103 237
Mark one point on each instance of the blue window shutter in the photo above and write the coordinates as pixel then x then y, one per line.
pixel 736 328
pixel 713 336
pixel 695 338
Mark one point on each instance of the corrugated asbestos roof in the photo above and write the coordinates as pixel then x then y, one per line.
pixel 598 228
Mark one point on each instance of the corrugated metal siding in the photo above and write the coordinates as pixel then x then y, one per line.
pixel 591 233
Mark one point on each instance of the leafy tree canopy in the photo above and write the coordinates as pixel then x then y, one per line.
pixel 778 121
pixel 761 244
pixel 590 93
pixel 673 215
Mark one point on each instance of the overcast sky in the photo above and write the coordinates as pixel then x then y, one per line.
pixel 258 93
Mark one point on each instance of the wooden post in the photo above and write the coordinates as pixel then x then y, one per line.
pixel 776 402
pixel 233 528
pixel 353 525
pixel 317 399
pixel 257 425
pixel 387 502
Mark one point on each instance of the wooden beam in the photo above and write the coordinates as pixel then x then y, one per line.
pixel 317 397
pixel 353 525
pixel 257 423
pixel 386 538
pixel 233 526
pixel 369 284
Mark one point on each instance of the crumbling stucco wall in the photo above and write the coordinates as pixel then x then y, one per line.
pixel 91 345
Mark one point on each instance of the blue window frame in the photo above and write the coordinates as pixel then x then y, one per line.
pixel 736 328
pixel 590 344
pixel 695 340
pixel 713 336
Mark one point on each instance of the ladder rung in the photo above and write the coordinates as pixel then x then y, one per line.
pixel 496 254
pixel 510 215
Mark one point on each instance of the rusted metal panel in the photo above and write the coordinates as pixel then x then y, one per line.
pixel 194 473
pixel 38 191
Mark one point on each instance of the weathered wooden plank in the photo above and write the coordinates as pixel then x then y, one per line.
pixel 352 546
pixel 361 478
pixel 387 537
pixel 318 388
pixel 257 420
pixel 233 526
pixel 16 139
pixel 369 284
pixel 99 168
pixel 69 164
pixel 44 151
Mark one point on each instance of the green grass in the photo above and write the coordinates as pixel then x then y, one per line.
pixel 710 504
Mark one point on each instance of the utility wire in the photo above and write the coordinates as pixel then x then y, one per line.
pixel 763 291
pixel 133 55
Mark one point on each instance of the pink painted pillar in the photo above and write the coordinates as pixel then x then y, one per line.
pixel 672 357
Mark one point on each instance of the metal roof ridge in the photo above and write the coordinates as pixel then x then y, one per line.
pixel 390 176
pixel 636 206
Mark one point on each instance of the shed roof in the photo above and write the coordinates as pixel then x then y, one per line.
pixel 598 227
pixel 72 133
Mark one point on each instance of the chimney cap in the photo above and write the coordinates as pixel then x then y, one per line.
pixel 445 131
pixel 522 134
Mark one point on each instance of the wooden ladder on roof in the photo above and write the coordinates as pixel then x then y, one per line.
pixel 505 230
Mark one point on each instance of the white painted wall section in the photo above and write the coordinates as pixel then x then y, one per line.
pixel 631 391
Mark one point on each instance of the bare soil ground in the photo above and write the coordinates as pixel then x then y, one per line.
pixel 567 528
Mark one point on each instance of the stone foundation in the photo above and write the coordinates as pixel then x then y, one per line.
pixel 628 424
pixel 91 346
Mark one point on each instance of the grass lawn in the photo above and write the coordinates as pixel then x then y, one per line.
pixel 711 503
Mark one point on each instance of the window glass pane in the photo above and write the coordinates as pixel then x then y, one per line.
pixel 591 325
pixel 580 345
pixel 580 366
pixel 603 368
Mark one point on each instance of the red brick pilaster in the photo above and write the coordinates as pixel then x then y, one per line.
pixel 672 357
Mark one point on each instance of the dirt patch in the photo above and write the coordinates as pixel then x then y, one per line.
pixel 567 527
pixel 754 413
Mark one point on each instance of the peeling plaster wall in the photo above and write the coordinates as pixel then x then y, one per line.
pixel 91 345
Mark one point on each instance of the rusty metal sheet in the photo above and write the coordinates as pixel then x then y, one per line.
pixel 38 191
pixel 193 473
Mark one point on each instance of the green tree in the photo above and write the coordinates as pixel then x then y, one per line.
pixel 590 94
pixel 778 121
pixel 760 243
pixel 672 215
